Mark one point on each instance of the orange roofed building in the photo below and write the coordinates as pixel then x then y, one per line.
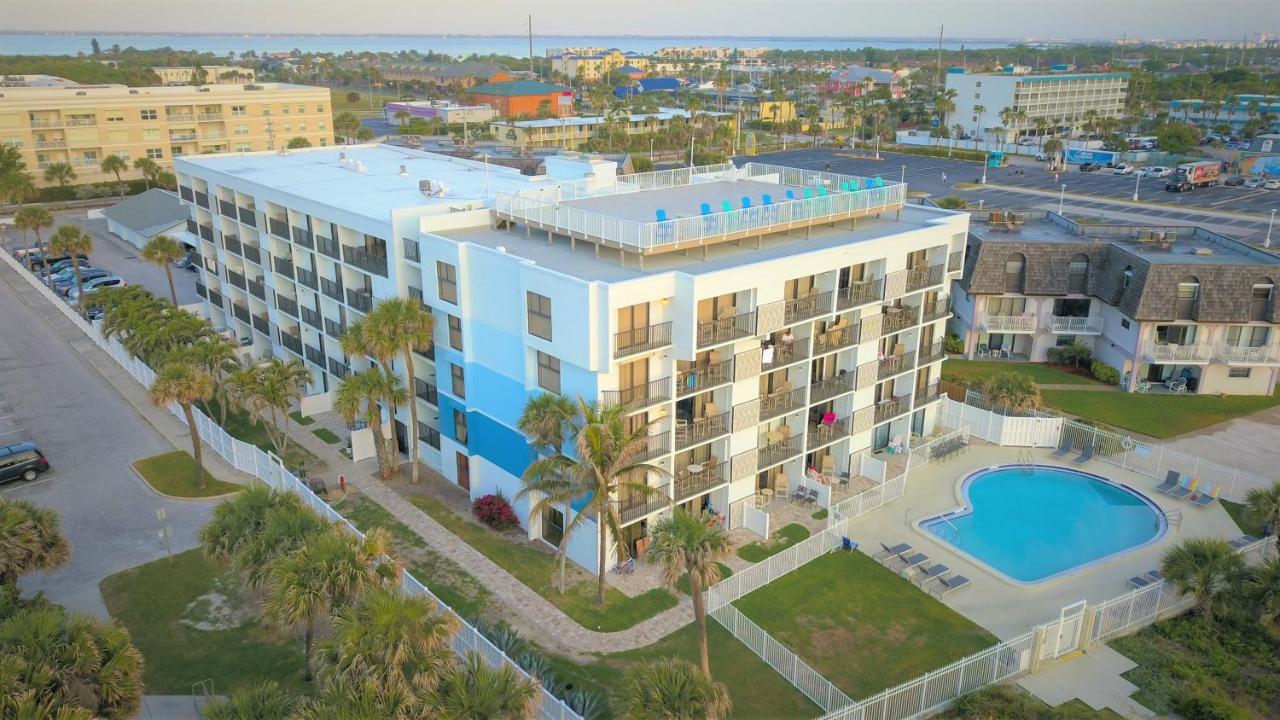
pixel 524 97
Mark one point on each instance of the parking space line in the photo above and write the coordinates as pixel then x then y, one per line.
pixel 26 485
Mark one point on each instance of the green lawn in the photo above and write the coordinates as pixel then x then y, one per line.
pixel 861 625
pixel 300 418
pixel 174 473
pixel 682 583
pixel 341 104
pixel 969 371
pixel 1247 525
pixel 538 569
pixel 152 599
pixel 1157 416
pixel 244 428
pixel 780 540
pixel 327 435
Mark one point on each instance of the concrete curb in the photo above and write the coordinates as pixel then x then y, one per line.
pixel 179 498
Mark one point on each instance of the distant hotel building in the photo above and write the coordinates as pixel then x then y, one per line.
pixel 1235 111
pixel 214 75
pixel 572 132
pixel 442 75
pixel 592 67
pixel 1064 99
pixel 443 111
pixel 802 332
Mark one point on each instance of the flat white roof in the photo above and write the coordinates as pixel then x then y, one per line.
pixel 662 114
pixel 369 183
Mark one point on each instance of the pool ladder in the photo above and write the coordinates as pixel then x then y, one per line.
pixel 1025 461
pixel 1174 519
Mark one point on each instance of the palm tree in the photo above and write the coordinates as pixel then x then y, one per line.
pixel 60 173
pixel 378 340
pixel 74 242
pixel 185 384
pixel 1264 507
pixel 604 467
pixel 474 690
pixel 163 250
pixel 956 131
pixel 30 540
pixel 218 357
pixel 277 384
pixel 115 165
pixel 396 639
pixel 334 567
pixel 407 326
pixel 264 700
pixel 402 116
pixel 358 397
pixel 673 688
pixel 979 111
pixel 358 700
pixel 35 219
pixel 17 186
pixel 546 420
pixel 149 169
pixel 1205 568
pixel 257 528
pixel 1012 390
pixel 1264 588
pixel 722 82
pixel 691 543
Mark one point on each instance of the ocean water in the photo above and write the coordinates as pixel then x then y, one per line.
pixel 458 45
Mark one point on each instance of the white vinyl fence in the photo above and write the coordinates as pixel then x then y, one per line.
pixel 1038 430
pixel 867 500
pixel 267 467
pixel 755 520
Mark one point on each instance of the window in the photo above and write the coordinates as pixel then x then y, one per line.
pixel 455 332
pixel 1248 336
pixel 1065 340
pixel 539 315
pixel 240 130
pixel 1078 274
pixel 1014 272
pixel 148 114
pixel 460 426
pixel 288 127
pixel 548 373
pixel 238 110
pixel 155 153
pixel 244 147
pixel 301 108
pixel 14 142
pixel 115 118
pixel 151 134
pixel 1239 372
pixel 447 282
pixel 459 381
pixel 302 127
pixel 1124 323
pixel 324 142
pixel 1188 294
pixel 320 126
pixel 1261 298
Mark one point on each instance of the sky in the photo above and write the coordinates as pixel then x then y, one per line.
pixel 1018 19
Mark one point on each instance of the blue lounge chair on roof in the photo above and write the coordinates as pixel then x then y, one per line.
pixel 822 191
pixel 726 205
pixel 706 208
pixel 662 215
pixel 879 181
pixel 791 194
pixel 746 202
pixel 808 193
pixel 767 199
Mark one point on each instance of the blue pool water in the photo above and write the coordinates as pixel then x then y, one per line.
pixel 1032 523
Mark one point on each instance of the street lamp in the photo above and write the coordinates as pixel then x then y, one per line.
pixel 1270 223
pixel 904 174
pixel 1136 180
pixel 984 168
pixel 1061 195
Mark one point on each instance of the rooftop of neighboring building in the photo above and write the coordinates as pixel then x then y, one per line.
pixel 1039 77
pixel 662 114
pixel 50 81
pixel 149 212
pixel 511 88
pixel 859 73
pixel 160 92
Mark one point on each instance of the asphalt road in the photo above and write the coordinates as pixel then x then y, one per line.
pixel 91 435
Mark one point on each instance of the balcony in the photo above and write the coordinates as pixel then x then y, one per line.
pixel 1261 355
pixel 652 337
pixel 835 338
pixel 237 279
pixel 215 298
pixel 1069 325
pixel 331 288
pixel 365 260
pixel 278 227
pixel 241 312
pixel 303 237
pixel 247 216
pixel 783 354
pixel 201 290
pixel 897 320
pixel 209 117
pixel 338 369
pixel 634 508
pixel 360 300
pixel 831 387
pixel 50 144
pixel 308 278
pixel 227 208
pixel 312 318
pixel 933 353
pixel 926 395
pixel 1185 354
pixel 46 123
pixel 726 329
pixel 287 305
pixel 923 277
pixel 895 365
pixel 284 266
pixel 181 137
pixel 860 293
pixel 825 434
pixel 655 446
pixel 955 262
pixel 701 430
pixel 329 247
pixel 937 310
pixel 89 121
pixel 411 251
pixel 809 306
pixel 1009 323
pixel 314 354
pixel 293 342
pixel 179 117
pixel 206 232
pixel 428 434
pixel 262 324
pixel 257 289
pixel 334 329
pixel 779 451
pixel 891 408
pixel 781 403
pixel 426 391
pixel 639 397
pixel 688 484
pixel 698 379
pixel 232 243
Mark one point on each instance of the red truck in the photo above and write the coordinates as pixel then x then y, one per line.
pixel 1189 176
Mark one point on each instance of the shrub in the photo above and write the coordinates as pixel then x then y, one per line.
pixel 1204 707
pixel 1104 373
pixel 952 202
pixel 494 510
pixel 955 344
pixel 997 702
pixel 353 97
pixel 1075 354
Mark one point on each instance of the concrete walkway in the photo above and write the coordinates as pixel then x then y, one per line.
pixel 1094 678
pixel 1246 443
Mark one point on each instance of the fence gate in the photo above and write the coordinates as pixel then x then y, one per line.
pixel 1063 636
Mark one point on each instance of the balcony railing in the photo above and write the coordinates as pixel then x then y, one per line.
pixel 860 293
pixel 334 329
pixel 411 251
pixel 252 253
pixel 208 117
pixel 312 317
pixel 247 216
pixel 50 144
pixel 227 208
pixel 701 430
pixel 891 408
pixel 314 354
pixel 278 227
pixel 241 312
pixel 895 364
pixel 785 354
pixel 215 298
pixel 308 278
pixel 823 434
pixel 955 261
pixel 287 305
pixel 651 337
pixel 262 324
pixel 831 387
pixel 778 404
pixel 1009 323
pixel 898 320
pixel 776 452
pixel 179 117
pixel 293 342
pixel 46 123
pixel 232 243
pixel 365 260
pixel 201 290
pixel 1262 355
pixel 237 279
pixel 936 310
pixel 302 236
pixel 923 277
pixel 1167 353
pixel 638 397
pixel 206 232
pixel 656 445
pixel 428 434
pixel 689 484
pixel 181 137
pixel 331 288
pixel 928 394
pixel 806 307
pixel 835 339
pixel 284 266
pixel 341 370
pixel 1068 325
pixel 82 122
pixel 426 391
pixel 726 329
pixel 329 247
pixel 698 379
pixel 635 507
pixel 933 353
pixel 359 300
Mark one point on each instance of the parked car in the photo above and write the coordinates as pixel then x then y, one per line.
pixel 108 281
pixel 1272 184
pixel 23 461
pixel 1179 186
pixel 1122 169
pixel 1233 181
pixel 1090 167
pixel 64 265
pixel 1154 171
pixel 1043 157
pixel 69 274
pixel 36 260
pixel 1254 182
pixel 66 285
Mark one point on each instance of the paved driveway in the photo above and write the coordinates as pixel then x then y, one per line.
pixel 91 435
pixel 126 260
pixel 1247 443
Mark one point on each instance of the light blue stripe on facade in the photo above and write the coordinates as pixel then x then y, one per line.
pixel 499 444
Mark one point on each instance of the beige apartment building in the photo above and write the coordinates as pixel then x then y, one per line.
pixel 82 124
pixel 595 66
pixel 214 74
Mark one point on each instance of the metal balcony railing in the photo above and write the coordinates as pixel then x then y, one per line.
pixel 181 137
pixel 308 278
pixel 227 208
pixel 928 394
pixel 651 337
pixel 293 342
pixel 201 290
pixel 302 236
pixel 314 354
pixel 262 324
pixel 806 307
pixel 1237 355
pixel 1009 323
pixel 633 508
pixel 656 445
pixel 898 320
pixel 895 364
pixel 860 293
pixel 257 289
pixel 278 227
pixel 697 379
pixel 1070 325
pixel 208 117
pixel 237 279
pixel 206 233
pixel 726 329
pixel 831 387
pixel 428 434
pixel 252 253
pixel 937 310
pixel 215 298
pixel 202 199
pixel 701 430
pixel 247 216
pixel 426 391
pixel 360 300
pixel 288 305
pixel 341 370
pixel 284 266
pixel 365 260
pixel 241 312
pixel 823 434
pixel 638 397
pixel 334 329
pixel 689 484
pixel 955 262
pixel 192 227
pixel 923 277
pixel 933 353
pixel 179 117
pixel 779 451
pixel 232 243
pixel 312 317
pixel 1168 353
pixel 835 339
pixel 785 354
pixel 331 288
pixel 82 121
pixel 329 247
pixel 50 144
pixel 777 404
pixel 891 408
pixel 46 123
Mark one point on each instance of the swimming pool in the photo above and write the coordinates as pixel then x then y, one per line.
pixel 1031 523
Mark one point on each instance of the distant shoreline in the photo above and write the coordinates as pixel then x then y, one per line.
pixel 786 38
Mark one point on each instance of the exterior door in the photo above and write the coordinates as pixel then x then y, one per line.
pixel 464 471
pixel 917 423
pixel 402 437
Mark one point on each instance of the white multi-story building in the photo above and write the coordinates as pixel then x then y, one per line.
pixel 1065 100
pixel 759 321
pixel 1159 304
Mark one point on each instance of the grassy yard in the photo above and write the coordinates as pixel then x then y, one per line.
pixel 538 569
pixel 301 419
pixel 861 625
pixel 246 429
pixel 327 435
pixel 978 370
pixel 1157 416
pixel 174 473
pixel 1247 525
pixel 341 104
pixel 682 583
pixel 165 603
pixel 783 538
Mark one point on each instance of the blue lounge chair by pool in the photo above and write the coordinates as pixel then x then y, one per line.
pixel 662 215
pixel 1064 447
pixel 822 191
pixel 933 572
pixel 887 552
pixel 791 194
pixel 808 193
pixel 1154 575
pixel 706 208
pixel 1170 482
pixel 1085 455
pixel 1185 487
pixel 767 199
pixel 946 585
pixel 1137 583
pixel 726 206
pixel 746 202
pixel 914 560
pixel 1242 541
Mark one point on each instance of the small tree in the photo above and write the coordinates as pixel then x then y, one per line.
pixel 115 165
pixel 31 540
pixel 1012 390
pixel 1264 507
pixel 60 173
pixel 35 219
pixel 149 169
pixel 1206 568
pixel 673 688
pixel 353 97
pixel 163 250
pixel 185 384
pixel 691 543
pixel 73 242
pixel 299 142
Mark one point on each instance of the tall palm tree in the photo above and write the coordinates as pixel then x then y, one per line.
pixel 407 326
pixel 35 219
pixel 673 688
pixel 392 637
pixel 115 165
pixel 333 568
pixel 1206 568
pixel 60 173
pixel 1264 507
pixel 257 528
pixel 722 81
pixel 279 384
pixel 72 241
pixel 359 396
pixel 377 340
pixel 603 468
pixel 149 169
pixel 546 420
pixel 218 357
pixel 691 543
pixel 1264 588
pixel 256 702
pixel 1042 126
pixel 17 186
pixel 30 540
pixel 979 111
pixel 474 690
pixel 163 250
pixel 185 384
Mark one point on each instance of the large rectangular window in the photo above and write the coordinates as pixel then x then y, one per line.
pixel 455 332
pixel 447 282
pixel 460 426
pixel 539 315
pixel 459 381
pixel 548 373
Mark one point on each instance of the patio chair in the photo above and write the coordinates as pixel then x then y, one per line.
pixel 888 552
pixel 984 350
pixel 1064 447
pixel 936 571
pixel 1204 499
pixel 1185 487
pixel 912 561
pixel 1170 482
pixel 946 585
pixel 1242 541
pixel 1086 454
pixel 1154 576
pixel 1138 582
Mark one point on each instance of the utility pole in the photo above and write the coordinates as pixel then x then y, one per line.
pixel 940 27
pixel 530 42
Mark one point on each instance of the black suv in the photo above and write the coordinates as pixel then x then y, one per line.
pixel 22 461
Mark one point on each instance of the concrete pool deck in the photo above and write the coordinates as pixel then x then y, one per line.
pixel 1006 609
